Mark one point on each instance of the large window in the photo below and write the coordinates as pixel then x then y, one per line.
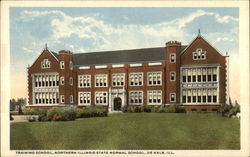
pixel 202 74
pixel 46 80
pixel 136 79
pixel 84 81
pixel 45 64
pixel 154 78
pixel 101 98
pixel 204 95
pixel 46 98
pixel 118 79
pixel 101 80
pixel 84 98
pixel 155 97
pixel 135 97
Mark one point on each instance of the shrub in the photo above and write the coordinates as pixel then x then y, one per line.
pixel 234 111
pixel 29 111
pixel 61 114
pixel 134 109
pixel 224 109
pixel 179 109
pixel 145 108
pixel 92 111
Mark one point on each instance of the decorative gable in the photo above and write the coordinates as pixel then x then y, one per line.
pixel 201 52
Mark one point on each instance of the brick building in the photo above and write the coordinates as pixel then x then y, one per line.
pixel 191 75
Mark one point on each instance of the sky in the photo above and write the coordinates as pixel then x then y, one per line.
pixel 86 29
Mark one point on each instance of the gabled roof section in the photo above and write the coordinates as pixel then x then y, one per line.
pixel 200 36
pixel 120 56
pixel 55 55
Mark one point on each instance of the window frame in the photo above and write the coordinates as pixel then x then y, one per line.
pixel 101 104
pixel 62 65
pixel 129 97
pixel 79 98
pixel 170 97
pixel 122 75
pixel 154 72
pixel 170 58
pixel 156 92
pixel 87 77
pixel 172 72
pixel 106 76
pixel 136 73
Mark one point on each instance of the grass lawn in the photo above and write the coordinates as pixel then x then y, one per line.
pixel 130 131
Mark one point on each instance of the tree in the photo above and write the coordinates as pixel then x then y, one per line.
pixel 230 101
pixel 13 104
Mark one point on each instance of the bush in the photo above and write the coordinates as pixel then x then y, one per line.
pixel 224 109
pixel 92 111
pixel 29 111
pixel 42 113
pixel 61 114
pixel 134 109
pixel 234 111
pixel 145 108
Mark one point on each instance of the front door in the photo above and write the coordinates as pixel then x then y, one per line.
pixel 117 104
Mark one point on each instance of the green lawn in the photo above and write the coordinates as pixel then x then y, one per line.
pixel 130 131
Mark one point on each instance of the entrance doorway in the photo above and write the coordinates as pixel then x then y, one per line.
pixel 117 104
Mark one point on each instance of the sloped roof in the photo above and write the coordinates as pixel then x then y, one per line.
pixel 120 56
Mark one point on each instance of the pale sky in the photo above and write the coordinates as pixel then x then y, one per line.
pixel 97 29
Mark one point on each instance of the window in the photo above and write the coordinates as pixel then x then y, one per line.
pixel 45 64
pixel 118 79
pixel 101 80
pixel 70 65
pixel 136 79
pixel 155 97
pixel 194 75
pixel 62 99
pixel 172 97
pixel 184 75
pixel 154 78
pixel 172 76
pixel 62 80
pixel 199 55
pixel 214 95
pixel 184 96
pixel 101 98
pixel 71 99
pixel 172 57
pixel 215 74
pixel 45 80
pixel 84 98
pixel 71 81
pixel 84 81
pixel 135 97
pixel 62 65
pixel 46 98
pixel 189 71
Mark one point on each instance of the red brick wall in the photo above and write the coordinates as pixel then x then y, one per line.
pixel 36 68
pixel 212 57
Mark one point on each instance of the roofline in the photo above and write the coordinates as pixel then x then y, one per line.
pixel 41 54
pixel 116 50
pixel 203 39
pixel 119 63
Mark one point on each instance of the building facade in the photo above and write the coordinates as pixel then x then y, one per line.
pixel 193 75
